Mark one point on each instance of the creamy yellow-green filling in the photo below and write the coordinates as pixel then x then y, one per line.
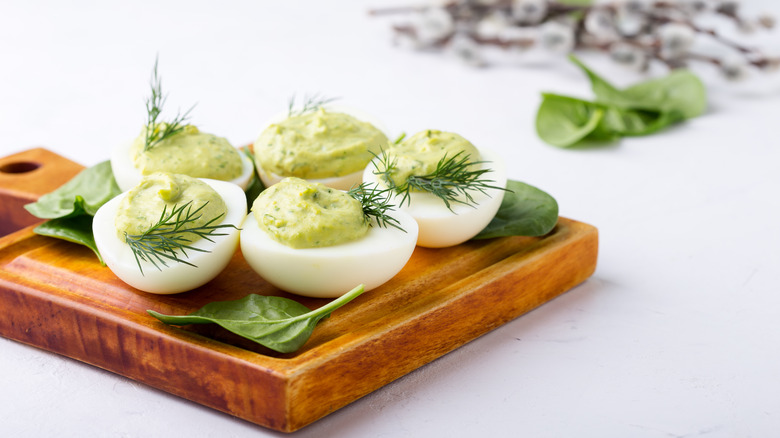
pixel 300 214
pixel 144 204
pixel 419 154
pixel 318 144
pixel 189 152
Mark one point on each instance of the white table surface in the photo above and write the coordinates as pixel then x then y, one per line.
pixel 676 334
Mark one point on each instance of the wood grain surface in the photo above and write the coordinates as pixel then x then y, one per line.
pixel 56 296
pixel 26 176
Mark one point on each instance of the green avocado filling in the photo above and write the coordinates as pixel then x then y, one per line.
pixel 318 144
pixel 420 154
pixel 189 152
pixel 300 214
pixel 144 204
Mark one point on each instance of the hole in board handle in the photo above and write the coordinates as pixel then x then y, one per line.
pixel 19 167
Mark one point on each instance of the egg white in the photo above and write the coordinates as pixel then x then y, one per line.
pixel 440 227
pixel 344 182
pixel 329 272
pixel 176 277
pixel 128 176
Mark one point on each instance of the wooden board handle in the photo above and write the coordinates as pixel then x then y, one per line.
pixel 24 177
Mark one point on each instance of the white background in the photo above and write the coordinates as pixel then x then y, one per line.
pixel 677 333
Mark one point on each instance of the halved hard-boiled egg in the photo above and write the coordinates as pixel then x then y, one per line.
pixel 183 232
pixel 189 152
pixel 329 145
pixel 313 240
pixel 439 225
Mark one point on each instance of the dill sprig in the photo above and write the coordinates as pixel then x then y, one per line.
pixel 156 131
pixel 376 203
pixel 454 180
pixel 310 103
pixel 171 235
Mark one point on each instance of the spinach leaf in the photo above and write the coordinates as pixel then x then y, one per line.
pixel 70 207
pixel 604 91
pixel 564 121
pixel 77 229
pixel 641 109
pixel 84 194
pixel 256 185
pixel 278 323
pixel 628 122
pixel 525 211
pixel 680 91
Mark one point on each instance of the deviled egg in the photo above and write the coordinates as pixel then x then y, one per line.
pixel 422 155
pixel 313 240
pixel 328 146
pixel 171 233
pixel 188 152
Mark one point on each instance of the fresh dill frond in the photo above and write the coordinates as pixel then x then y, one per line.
pixel 310 103
pixel 400 138
pixel 156 131
pixel 454 180
pixel 376 203
pixel 172 234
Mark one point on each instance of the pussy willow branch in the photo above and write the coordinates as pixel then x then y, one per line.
pixel 466 14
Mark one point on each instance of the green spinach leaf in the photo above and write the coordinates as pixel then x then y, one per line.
pixel 525 211
pixel 278 323
pixel 563 121
pixel 633 122
pixel 77 229
pixel 256 185
pixel 681 91
pixel 641 109
pixel 70 207
pixel 678 92
pixel 83 194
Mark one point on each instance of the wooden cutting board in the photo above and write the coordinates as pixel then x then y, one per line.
pixel 56 296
